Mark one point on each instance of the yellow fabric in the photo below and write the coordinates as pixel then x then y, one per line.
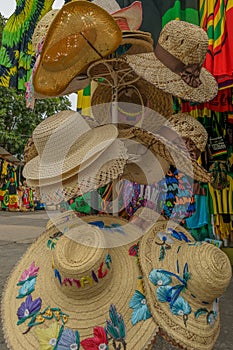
pixel 222 230
pixel 222 199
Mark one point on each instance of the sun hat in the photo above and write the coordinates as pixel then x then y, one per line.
pixel 68 293
pixel 74 39
pixel 30 150
pixel 176 64
pixel 107 167
pixel 189 127
pixel 183 285
pixel 65 142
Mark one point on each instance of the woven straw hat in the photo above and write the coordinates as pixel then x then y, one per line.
pixel 176 65
pixel 74 40
pixel 183 281
pixel 74 284
pixel 65 142
pixel 106 168
pixel 189 127
pixel 30 150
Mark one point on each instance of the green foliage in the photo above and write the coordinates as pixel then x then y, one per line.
pixel 18 122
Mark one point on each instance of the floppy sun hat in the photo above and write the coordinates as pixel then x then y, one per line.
pixel 65 142
pixel 176 64
pixel 74 296
pixel 80 33
pixel 182 286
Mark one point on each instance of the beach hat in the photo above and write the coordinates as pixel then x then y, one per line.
pixel 183 285
pixel 74 40
pixel 107 167
pixel 64 143
pixel 176 64
pixel 30 150
pixel 72 293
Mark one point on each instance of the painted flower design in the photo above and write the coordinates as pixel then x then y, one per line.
pixel 165 237
pixel 69 340
pixel 181 307
pixel 27 288
pixel 28 274
pixel 164 294
pixel 48 336
pixel 28 309
pixel 98 342
pixel 180 236
pixel 133 250
pixel 158 278
pixel 141 311
pixel 115 327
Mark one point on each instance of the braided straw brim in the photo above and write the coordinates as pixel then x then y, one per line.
pixel 197 334
pixel 82 153
pixel 67 50
pixel 108 167
pixel 30 150
pixel 147 66
pixel 86 310
pixel 173 155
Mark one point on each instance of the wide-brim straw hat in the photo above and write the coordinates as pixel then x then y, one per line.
pixel 107 167
pixel 72 288
pixel 176 64
pixel 73 41
pixel 65 142
pixel 30 150
pixel 183 281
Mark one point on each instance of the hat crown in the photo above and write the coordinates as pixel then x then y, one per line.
pixel 186 41
pixel 79 262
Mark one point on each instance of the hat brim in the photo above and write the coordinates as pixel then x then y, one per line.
pixel 197 334
pixel 86 310
pixel 147 66
pixel 132 13
pixel 70 46
pixel 85 150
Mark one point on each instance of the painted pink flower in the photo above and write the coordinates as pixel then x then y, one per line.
pixel 98 342
pixel 29 273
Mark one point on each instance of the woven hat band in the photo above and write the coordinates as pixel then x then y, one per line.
pixel 78 268
pixel 189 73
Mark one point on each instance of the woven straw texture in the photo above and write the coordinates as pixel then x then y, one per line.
pixel 108 167
pixel 210 273
pixel 74 40
pixel 189 127
pixel 30 150
pixel 173 155
pixel 87 307
pixel 188 43
pixel 65 141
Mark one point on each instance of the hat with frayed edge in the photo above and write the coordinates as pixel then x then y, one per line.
pixel 74 40
pixel 65 142
pixel 176 64
pixel 73 296
pixel 183 281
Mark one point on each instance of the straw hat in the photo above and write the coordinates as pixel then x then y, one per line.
pixel 65 142
pixel 74 289
pixel 183 285
pixel 30 150
pixel 189 127
pixel 74 40
pixel 176 64
pixel 106 168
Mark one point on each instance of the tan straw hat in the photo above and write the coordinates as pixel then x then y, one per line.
pixel 30 150
pixel 77 293
pixel 74 40
pixel 65 142
pixel 106 168
pixel 176 64
pixel 183 281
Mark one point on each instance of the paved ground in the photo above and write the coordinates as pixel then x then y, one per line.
pixel 17 232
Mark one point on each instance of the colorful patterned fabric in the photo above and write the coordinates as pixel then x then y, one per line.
pixel 17 56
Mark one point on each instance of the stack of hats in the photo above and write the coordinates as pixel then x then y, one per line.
pixel 102 282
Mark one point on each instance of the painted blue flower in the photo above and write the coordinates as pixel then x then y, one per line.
pixel 28 309
pixel 27 288
pixel 158 278
pixel 69 340
pixel 181 307
pixel 115 327
pixel 178 235
pixel 164 294
pixel 141 311
pixel 165 237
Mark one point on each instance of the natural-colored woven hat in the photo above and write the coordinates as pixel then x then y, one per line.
pixel 106 168
pixel 176 64
pixel 189 127
pixel 65 142
pixel 30 150
pixel 74 40
pixel 67 294
pixel 183 285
